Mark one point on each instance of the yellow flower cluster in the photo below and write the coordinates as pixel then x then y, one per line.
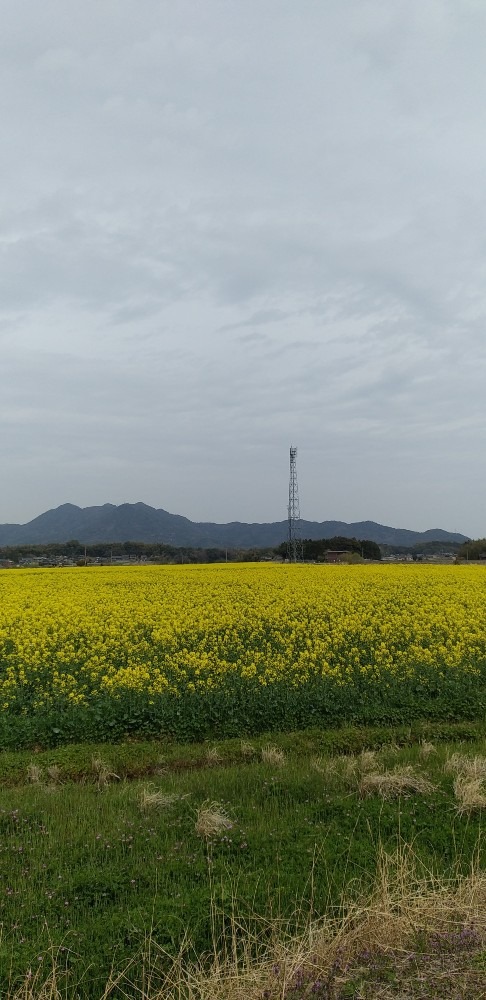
pixel 71 635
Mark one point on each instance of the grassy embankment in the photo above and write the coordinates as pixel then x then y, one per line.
pixel 146 859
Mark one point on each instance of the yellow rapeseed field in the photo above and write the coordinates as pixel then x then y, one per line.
pixel 74 635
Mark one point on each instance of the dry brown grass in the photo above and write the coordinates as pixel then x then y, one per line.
pixel 350 769
pixel 469 781
pixel 151 800
pixel 403 780
pixel 426 749
pixel 324 766
pixel 34 774
pixel 212 819
pixel 104 776
pixel 470 767
pixel 213 757
pixel 367 761
pixel 161 767
pixel 34 989
pixel 347 770
pixel 37 776
pixel 470 793
pixel 273 756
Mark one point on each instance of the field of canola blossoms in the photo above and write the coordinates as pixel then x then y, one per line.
pixel 233 649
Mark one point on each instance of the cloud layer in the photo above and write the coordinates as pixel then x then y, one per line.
pixel 228 227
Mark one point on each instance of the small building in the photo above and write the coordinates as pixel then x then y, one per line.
pixel 336 555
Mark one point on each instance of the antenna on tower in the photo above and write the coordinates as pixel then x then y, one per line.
pixel 294 542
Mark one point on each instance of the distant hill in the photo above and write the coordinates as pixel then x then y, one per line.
pixel 138 522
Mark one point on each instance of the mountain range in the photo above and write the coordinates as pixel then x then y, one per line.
pixel 138 522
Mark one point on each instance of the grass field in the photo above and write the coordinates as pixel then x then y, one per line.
pixel 246 843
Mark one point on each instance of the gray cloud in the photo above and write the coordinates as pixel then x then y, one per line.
pixel 226 227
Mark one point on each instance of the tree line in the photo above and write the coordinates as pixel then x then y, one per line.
pixel 315 549
pixel 159 552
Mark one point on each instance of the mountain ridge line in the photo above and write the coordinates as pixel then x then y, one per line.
pixel 139 522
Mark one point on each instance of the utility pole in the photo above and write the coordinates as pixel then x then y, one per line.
pixel 294 541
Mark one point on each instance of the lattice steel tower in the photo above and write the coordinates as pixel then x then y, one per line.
pixel 294 541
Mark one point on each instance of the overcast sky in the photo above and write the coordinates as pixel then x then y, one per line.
pixel 229 226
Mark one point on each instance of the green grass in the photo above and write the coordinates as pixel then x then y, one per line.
pixel 87 873
pixel 134 758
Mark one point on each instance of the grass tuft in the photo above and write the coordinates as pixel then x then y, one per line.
pixel 94 872
pixel 54 774
pixel 404 780
pixel 352 768
pixel 470 794
pixel 212 819
pixel 150 799
pixel 470 767
pixel 34 774
pixel 104 776
pixel 469 781
pixel 213 757
pixel 324 766
pixel 273 756
pixel 426 749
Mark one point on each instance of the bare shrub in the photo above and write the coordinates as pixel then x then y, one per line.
pixel 212 819
pixel 404 780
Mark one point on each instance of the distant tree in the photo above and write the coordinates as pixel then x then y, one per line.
pixel 315 549
pixel 370 550
pixel 473 550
